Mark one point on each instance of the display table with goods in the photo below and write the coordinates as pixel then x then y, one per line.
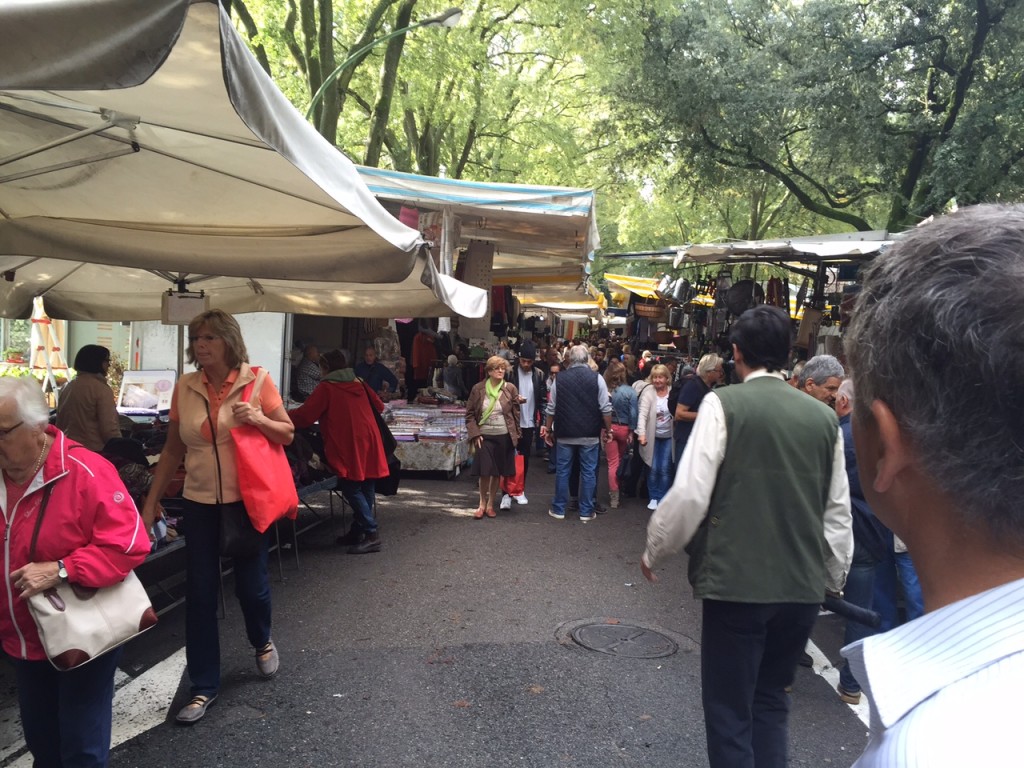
pixel 431 438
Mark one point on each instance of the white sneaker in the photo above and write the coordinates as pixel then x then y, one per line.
pixel 653 505
pixel 506 502
pixel 521 499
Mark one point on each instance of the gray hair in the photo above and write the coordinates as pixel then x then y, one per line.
pixel 936 336
pixel 578 354
pixel 820 369
pixel 707 364
pixel 28 397
pixel 845 390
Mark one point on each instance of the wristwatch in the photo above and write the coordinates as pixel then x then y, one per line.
pixel 62 572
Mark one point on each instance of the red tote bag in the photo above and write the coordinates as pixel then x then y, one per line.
pixel 516 486
pixel 264 475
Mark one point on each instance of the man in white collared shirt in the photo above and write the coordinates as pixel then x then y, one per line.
pixel 761 500
pixel 938 366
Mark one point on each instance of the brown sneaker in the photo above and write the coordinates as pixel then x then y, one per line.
pixel 369 543
pixel 846 696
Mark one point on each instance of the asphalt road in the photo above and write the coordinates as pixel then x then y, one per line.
pixel 452 647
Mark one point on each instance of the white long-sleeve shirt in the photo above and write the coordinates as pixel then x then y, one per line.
pixel 686 504
pixel 944 689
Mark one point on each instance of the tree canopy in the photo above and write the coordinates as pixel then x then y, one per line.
pixel 871 114
pixel 694 119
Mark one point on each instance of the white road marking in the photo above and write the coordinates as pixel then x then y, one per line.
pixel 823 667
pixel 140 704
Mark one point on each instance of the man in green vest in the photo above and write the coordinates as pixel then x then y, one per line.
pixel 762 503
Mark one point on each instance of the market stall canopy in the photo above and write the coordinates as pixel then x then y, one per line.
pixel 854 246
pixel 644 287
pixel 542 235
pixel 552 296
pixel 143 147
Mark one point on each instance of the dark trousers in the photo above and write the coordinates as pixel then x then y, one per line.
pixel 66 716
pixel 202 582
pixel 749 654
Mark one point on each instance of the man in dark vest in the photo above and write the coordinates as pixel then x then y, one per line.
pixel 762 503
pixel 579 413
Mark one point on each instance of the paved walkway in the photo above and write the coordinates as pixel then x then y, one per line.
pixel 449 648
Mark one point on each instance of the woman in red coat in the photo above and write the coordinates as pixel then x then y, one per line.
pixel 341 403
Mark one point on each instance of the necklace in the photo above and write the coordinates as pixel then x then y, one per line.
pixel 39 461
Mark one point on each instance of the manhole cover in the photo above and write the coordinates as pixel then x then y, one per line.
pixel 624 640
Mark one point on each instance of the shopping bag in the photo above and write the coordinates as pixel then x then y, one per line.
pixel 388 486
pixel 516 485
pixel 264 474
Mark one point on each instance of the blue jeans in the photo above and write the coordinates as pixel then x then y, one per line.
pixel 859 590
pixel 252 588
pixel 588 455
pixel 659 474
pixel 66 716
pixel 892 574
pixel 360 496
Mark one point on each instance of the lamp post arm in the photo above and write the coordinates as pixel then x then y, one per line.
pixel 352 59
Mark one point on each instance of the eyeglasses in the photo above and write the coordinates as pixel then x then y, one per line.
pixel 5 433
pixel 207 338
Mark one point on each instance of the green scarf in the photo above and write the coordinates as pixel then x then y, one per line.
pixel 493 392
pixel 341 375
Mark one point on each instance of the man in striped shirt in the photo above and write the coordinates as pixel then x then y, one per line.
pixel 937 351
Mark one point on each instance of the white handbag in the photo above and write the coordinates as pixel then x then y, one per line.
pixel 78 624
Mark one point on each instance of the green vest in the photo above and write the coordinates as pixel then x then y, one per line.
pixel 763 538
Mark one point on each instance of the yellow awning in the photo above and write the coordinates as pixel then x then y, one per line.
pixel 645 287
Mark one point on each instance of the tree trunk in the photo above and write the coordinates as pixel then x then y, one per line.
pixel 382 110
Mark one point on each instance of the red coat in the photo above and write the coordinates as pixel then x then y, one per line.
pixel 91 523
pixel 351 439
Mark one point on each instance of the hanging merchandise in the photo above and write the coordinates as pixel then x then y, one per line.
pixel 723 282
pixel 682 291
pixel 742 296
pixel 676 317
pixel 801 295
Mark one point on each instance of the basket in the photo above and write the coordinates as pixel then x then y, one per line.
pixel 655 312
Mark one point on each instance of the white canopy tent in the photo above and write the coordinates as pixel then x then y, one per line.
pixel 142 148
pixel 542 235
pixel 852 246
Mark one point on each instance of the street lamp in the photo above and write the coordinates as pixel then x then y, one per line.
pixel 447 18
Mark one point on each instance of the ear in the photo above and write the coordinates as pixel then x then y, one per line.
pixel 894 454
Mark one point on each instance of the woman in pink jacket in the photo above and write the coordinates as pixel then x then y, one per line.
pixel 91 535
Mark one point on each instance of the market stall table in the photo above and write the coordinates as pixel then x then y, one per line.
pixel 430 438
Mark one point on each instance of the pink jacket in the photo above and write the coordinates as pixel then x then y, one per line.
pixel 91 523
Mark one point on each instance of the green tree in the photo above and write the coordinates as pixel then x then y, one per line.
pixel 866 114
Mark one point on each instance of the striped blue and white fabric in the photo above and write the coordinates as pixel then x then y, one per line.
pixel 945 689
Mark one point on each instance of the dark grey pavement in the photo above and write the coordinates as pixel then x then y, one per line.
pixel 448 648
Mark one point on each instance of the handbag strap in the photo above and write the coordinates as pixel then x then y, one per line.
pixel 39 521
pixel 251 386
pixel 216 453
